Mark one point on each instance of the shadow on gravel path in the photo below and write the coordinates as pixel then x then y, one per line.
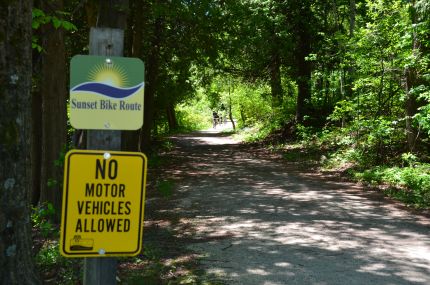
pixel 257 220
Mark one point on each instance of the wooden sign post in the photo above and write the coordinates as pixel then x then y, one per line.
pixel 105 42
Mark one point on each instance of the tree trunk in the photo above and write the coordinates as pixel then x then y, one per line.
pixel 171 117
pixel 53 87
pixel 137 29
pixel 304 77
pixel 113 13
pixel 242 115
pixel 91 9
pixel 151 79
pixel 36 145
pixel 303 50
pixel 411 107
pixel 230 115
pixel 16 258
pixel 350 71
pixel 130 139
pixel 275 78
pixel 352 14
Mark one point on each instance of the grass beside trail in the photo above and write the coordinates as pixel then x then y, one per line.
pixel 408 182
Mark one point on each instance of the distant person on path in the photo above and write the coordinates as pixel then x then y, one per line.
pixel 215 119
pixel 223 118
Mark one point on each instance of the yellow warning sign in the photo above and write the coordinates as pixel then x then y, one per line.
pixel 103 203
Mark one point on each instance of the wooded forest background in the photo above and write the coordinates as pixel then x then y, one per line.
pixel 347 76
pixel 357 70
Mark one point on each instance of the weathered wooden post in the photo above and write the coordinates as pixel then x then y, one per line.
pixel 104 188
pixel 103 42
pixel 106 97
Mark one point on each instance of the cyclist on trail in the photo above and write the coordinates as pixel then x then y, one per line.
pixel 215 119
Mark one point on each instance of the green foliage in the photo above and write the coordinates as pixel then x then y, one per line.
pixel 363 152
pixel 343 109
pixel 423 116
pixel 410 184
pixel 257 133
pixel 410 159
pixel 53 266
pixel 41 218
pixel 57 21
pixel 194 114
pixel 52 183
pixel 250 104
pixel 165 187
pixel 306 134
pixel 59 163
pixel 49 255
pixel 154 160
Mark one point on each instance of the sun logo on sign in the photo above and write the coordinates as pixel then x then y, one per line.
pixel 108 73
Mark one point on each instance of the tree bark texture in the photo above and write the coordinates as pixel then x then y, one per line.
pixel 16 258
pixel 36 145
pixel 350 71
pixel 130 139
pixel 303 75
pixel 171 117
pixel 53 86
pixel 303 49
pixel 275 78
pixel 113 14
pixel 411 79
pixel 352 14
pixel 275 70
pixel 151 81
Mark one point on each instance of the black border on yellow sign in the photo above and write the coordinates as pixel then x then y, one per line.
pixel 65 204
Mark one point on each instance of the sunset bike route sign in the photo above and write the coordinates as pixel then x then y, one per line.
pixel 106 93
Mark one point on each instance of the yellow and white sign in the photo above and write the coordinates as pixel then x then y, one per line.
pixel 103 203
pixel 106 93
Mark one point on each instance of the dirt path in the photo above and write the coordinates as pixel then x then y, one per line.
pixel 257 220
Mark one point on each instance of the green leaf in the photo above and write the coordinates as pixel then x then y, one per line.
pixel 56 22
pixel 37 13
pixel 35 25
pixel 68 26
pixel 51 209
pixel 52 182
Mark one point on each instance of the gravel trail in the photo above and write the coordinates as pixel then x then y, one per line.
pixel 257 220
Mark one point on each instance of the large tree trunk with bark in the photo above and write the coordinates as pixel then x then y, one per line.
pixel 130 139
pixel 352 14
pixel 275 73
pixel 411 107
pixel 16 258
pixel 349 71
pixel 53 87
pixel 303 76
pixel 171 117
pixel 275 80
pixel 36 144
pixel 411 79
pixel 303 49
pixel 151 82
